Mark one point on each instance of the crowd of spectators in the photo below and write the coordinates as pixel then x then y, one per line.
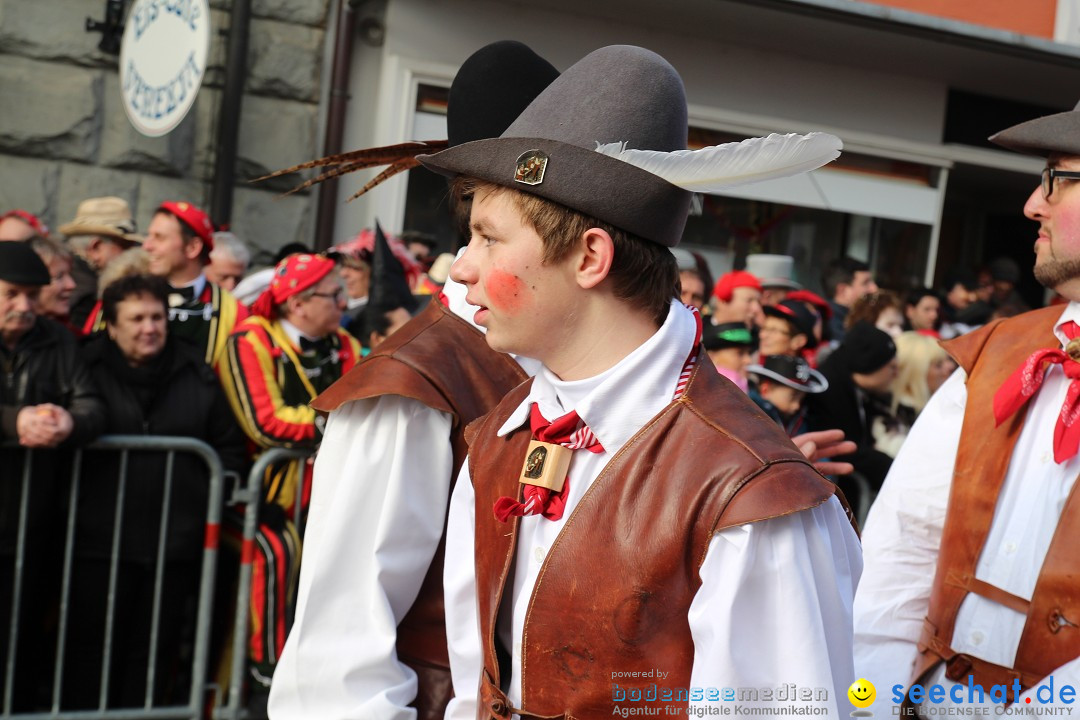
pixel 174 333
pixel 877 350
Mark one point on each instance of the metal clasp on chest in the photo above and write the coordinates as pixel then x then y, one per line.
pixel 546 465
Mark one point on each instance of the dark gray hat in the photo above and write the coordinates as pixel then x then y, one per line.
pixel 1059 132
pixel 20 265
pixel 615 94
pixel 608 138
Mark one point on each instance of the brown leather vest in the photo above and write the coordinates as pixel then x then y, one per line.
pixel 989 355
pixel 443 362
pixel 615 588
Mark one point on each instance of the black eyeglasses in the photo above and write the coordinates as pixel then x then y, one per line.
pixel 1049 175
pixel 337 294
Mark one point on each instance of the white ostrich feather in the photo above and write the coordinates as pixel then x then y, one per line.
pixel 714 168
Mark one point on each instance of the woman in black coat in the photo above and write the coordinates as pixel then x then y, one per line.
pixel 154 385
pixel 860 373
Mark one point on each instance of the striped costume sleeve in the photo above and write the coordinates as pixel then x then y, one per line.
pixel 251 384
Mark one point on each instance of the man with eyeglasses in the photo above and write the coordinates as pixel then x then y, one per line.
pixel 289 350
pixel 970 547
pixel 278 360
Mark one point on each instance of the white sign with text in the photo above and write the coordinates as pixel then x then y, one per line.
pixel 162 61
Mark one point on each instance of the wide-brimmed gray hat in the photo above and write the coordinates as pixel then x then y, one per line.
pixel 774 271
pixel 1059 132
pixel 608 138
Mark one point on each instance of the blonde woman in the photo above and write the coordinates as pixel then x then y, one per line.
pixel 923 367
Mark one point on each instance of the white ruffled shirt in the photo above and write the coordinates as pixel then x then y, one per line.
pixel 903 535
pixel 775 601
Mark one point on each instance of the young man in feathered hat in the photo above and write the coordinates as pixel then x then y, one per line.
pixel 369 639
pixel 628 525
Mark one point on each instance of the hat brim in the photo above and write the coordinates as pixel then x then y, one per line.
pixel 1053 133
pixel 816 384
pixel 726 345
pixel 784 283
pixel 584 180
pixel 74 228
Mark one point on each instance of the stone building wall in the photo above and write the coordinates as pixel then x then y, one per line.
pixel 64 135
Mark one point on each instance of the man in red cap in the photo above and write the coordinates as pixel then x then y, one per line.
pixel 738 299
pixel 179 241
pixel 278 360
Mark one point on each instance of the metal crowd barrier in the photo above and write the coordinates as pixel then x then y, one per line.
pixel 230 705
pixel 123 444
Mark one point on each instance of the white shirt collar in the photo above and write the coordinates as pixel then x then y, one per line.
pixel 1071 312
pixel 199 284
pixel 618 402
pixel 294 332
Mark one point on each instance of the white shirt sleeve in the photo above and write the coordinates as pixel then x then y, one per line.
pixel 902 538
pixel 774 606
pixel 379 497
pixel 1041 695
pixel 459 592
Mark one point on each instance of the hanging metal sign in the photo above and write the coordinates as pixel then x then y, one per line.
pixel 162 61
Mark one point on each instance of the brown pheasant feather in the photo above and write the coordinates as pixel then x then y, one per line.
pixel 398 157
pixel 399 166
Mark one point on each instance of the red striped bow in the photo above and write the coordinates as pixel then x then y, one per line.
pixel 571 432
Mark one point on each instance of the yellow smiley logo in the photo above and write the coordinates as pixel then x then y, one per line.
pixel 861 693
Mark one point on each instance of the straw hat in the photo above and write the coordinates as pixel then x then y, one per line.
pixel 105 216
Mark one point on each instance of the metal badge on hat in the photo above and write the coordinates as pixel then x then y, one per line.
pixel 530 167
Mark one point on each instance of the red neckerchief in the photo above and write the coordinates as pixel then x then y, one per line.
pixel 1026 381
pixel 571 432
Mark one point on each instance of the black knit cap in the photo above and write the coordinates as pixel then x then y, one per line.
pixel 868 349
pixel 492 87
pixel 20 265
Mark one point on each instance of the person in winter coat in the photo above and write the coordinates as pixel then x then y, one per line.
pixel 48 405
pixel 156 385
